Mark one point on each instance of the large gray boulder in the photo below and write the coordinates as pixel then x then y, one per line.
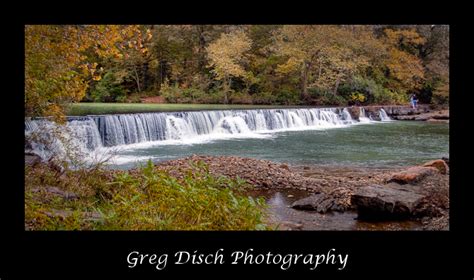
pixel 391 200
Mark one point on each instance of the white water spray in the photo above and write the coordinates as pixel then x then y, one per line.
pixel 93 133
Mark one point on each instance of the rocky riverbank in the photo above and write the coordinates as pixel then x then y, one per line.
pixel 416 193
pixel 422 113
pixel 320 197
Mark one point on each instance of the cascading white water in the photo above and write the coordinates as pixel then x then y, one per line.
pixel 47 138
pixel 346 115
pixel 94 132
pixel 362 116
pixel 383 116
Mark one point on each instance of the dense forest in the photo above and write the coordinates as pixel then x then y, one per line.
pixel 234 64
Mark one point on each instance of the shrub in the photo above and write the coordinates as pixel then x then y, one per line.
pixel 264 98
pixel 108 89
pixel 240 98
pixel 441 95
pixel 214 97
pixel 170 93
pixel 175 94
pixel 357 97
pixel 141 199
pixel 287 97
pixel 322 97
pixel 372 91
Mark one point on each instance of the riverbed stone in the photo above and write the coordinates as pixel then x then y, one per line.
pixel 32 159
pixel 432 120
pixel 412 174
pixel 337 200
pixel 91 216
pixel 259 173
pixel 318 202
pixel 438 164
pixel 57 192
pixel 287 225
pixel 387 201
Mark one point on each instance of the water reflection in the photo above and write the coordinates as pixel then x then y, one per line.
pixel 280 213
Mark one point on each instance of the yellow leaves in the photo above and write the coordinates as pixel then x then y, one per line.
pixel 227 52
pixel 329 53
pixel 56 112
pixel 148 35
pixel 291 65
pixel 357 97
pixel 406 68
pixel 56 69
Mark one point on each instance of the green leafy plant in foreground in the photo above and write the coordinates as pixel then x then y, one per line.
pixel 151 199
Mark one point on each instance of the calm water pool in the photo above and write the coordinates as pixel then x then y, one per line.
pixel 396 143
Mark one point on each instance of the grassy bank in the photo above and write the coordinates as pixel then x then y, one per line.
pixel 81 109
pixel 140 199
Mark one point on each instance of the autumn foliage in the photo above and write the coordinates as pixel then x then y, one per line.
pixel 260 64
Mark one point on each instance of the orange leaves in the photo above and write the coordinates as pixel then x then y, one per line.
pixel 404 37
pixel 404 67
pixel 56 66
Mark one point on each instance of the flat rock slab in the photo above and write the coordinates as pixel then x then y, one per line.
pixel 318 202
pixel 338 200
pixel 413 174
pixel 391 200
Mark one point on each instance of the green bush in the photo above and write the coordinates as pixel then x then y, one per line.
pixel 108 89
pixel 141 199
pixel 371 90
pixel 240 98
pixel 153 200
pixel 264 98
pixel 174 94
pixel 323 97
pixel 287 97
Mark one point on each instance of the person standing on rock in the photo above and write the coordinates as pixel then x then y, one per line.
pixel 413 101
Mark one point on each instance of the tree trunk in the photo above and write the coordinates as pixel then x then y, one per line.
pixel 319 72
pixel 145 77
pixel 226 90
pixel 336 86
pixel 137 79
pixel 304 81
pixel 201 49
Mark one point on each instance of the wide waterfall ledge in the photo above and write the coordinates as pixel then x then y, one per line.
pixel 99 133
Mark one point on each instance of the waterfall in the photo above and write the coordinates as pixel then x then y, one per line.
pixel 363 116
pixel 383 116
pixel 92 133
pixel 46 138
pixel 346 115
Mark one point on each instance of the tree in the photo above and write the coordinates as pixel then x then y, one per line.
pixel 405 68
pixel 57 69
pixel 323 54
pixel 435 56
pixel 226 55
